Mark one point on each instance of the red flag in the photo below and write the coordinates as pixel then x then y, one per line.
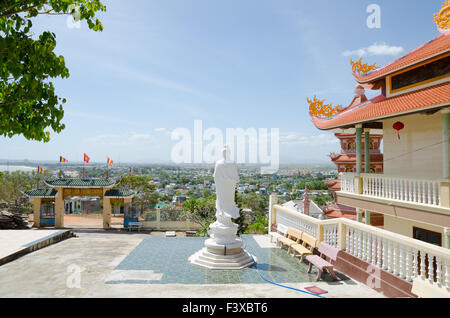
pixel 40 170
pixel 86 158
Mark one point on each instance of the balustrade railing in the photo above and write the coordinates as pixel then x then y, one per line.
pixel 400 255
pixel 412 190
pixel 347 182
pixel 402 189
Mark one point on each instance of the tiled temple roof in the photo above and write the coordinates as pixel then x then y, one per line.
pixel 81 183
pixel 119 193
pixel 437 46
pixel 41 193
pixel 381 107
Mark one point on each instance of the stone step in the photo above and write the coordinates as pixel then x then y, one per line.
pixel 224 266
pixel 238 258
pixel 209 254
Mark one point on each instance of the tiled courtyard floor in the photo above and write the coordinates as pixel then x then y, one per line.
pixel 172 263
pixel 105 264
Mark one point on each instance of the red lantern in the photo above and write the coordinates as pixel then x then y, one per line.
pixel 398 126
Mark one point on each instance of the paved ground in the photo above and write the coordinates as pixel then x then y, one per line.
pixel 105 264
pixel 12 241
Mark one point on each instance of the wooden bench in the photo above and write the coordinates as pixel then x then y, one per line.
pixel 134 225
pixel 293 237
pixel 306 248
pixel 320 262
pixel 280 232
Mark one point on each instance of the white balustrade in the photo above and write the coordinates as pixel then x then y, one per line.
pixel 399 188
pixel 347 182
pixel 400 255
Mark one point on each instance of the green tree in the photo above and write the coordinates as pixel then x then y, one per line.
pixel 202 212
pixel 259 226
pixel 145 192
pixel 28 102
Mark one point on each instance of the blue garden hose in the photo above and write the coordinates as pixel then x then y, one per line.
pixel 270 282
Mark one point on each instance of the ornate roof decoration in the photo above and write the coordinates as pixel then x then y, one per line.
pixel 442 18
pixel 360 68
pixel 318 109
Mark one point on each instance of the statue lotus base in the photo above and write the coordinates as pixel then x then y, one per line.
pixel 222 256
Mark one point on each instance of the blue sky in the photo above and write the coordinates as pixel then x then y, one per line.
pixel 159 65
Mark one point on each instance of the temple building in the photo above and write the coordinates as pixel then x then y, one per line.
pixel 345 161
pixel 49 204
pixel 412 113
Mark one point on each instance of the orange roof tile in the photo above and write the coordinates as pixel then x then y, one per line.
pixel 435 47
pixel 374 157
pixel 382 107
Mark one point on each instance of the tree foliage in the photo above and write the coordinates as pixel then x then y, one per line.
pixel 201 211
pixel 28 101
pixel 145 192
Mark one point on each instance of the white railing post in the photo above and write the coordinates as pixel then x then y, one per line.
pixel 430 268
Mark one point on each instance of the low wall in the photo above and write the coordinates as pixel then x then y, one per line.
pixel 171 225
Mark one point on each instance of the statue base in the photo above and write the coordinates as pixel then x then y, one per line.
pixel 228 256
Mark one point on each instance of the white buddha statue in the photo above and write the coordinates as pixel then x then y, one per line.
pixel 223 250
pixel 226 177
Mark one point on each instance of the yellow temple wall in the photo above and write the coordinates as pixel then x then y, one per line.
pixel 405 226
pixel 413 155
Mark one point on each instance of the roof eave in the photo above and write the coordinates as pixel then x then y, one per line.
pixel 360 79
pixel 418 110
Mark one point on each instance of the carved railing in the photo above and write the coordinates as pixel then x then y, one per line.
pixel 404 189
pixel 400 255
pixel 412 190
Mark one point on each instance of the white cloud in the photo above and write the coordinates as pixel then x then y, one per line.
pixel 160 129
pixel 375 49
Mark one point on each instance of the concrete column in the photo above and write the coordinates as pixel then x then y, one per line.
pixel 358 148
pixel 367 217
pixel 446 143
pixel 367 165
pixel 447 237
pixel 273 199
pixel 445 183
pixel 37 212
pixel 367 150
pixel 158 219
pixel 342 236
pixel 59 209
pixel 359 213
pixel 106 213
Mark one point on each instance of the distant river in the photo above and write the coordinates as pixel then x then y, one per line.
pixel 16 168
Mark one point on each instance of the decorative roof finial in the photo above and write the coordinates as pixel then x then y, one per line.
pixel 318 109
pixel 442 18
pixel 360 68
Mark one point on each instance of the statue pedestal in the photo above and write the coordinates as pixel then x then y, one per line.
pixel 222 256
pixel 223 250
